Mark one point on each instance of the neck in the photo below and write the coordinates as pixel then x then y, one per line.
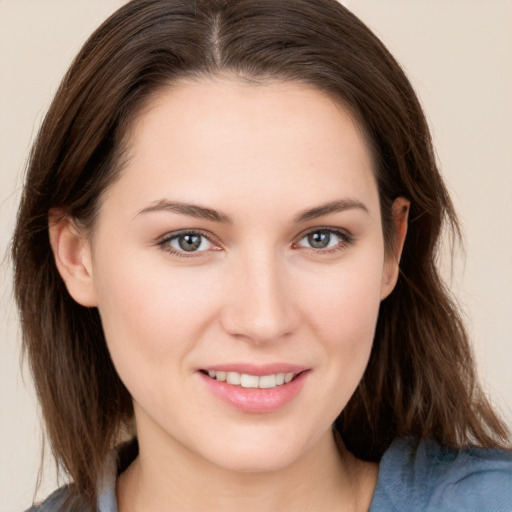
pixel 328 477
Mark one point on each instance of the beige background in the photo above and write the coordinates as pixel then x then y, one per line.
pixel 458 54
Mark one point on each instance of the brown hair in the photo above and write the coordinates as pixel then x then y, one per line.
pixel 420 380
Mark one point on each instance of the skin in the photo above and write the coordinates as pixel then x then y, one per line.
pixel 256 291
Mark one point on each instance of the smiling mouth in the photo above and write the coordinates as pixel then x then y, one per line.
pixel 246 380
pixel 258 391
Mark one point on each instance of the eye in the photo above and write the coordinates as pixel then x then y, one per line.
pixel 186 242
pixel 321 239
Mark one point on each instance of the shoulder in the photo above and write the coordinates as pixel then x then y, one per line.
pixel 62 500
pixel 423 476
pixel 65 500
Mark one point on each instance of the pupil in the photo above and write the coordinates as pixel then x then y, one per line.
pixel 189 242
pixel 319 240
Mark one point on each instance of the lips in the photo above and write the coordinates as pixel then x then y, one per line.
pixel 255 389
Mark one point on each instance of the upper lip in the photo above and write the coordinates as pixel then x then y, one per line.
pixel 256 369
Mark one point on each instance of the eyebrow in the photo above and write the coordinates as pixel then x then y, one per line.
pixel 201 212
pixel 332 207
pixel 191 210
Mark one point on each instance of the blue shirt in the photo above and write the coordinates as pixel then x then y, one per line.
pixel 421 476
pixel 413 477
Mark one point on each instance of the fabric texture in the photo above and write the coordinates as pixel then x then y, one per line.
pixel 414 476
pixel 423 477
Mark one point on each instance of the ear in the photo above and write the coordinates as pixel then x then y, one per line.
pixel 72 254
pixel 400 212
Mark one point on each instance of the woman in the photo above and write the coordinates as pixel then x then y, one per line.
pixel 207 267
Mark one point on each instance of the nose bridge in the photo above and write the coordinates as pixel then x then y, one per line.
pixel 259 305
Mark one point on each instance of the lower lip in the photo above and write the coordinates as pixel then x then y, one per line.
pixel 256 400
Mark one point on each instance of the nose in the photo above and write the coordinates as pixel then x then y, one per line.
pixel 259 304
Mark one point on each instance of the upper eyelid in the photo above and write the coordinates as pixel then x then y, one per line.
pixel 174 234
pixel 330 229
pixel 214 240
pixel 164 244
pixel 198 231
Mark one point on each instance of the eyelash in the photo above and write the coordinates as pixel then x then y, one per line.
pixel 345 240
pixel 164 243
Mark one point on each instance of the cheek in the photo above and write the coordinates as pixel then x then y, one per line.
pixel 152 316
pixel 344 303
pixel 342 313
pixel 340 306
pixel 352 331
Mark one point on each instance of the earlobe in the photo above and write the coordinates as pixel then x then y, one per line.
pixel 72 254
pixel 400 212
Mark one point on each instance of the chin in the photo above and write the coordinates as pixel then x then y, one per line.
pixel 261 462
pixel 257 455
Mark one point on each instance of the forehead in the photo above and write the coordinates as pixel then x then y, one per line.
pixel 221 136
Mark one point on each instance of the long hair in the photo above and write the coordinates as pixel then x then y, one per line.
pixel 420 380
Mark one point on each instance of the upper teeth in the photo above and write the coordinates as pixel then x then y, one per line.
pixel 252 381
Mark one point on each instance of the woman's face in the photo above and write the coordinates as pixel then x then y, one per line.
pixel 243 240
